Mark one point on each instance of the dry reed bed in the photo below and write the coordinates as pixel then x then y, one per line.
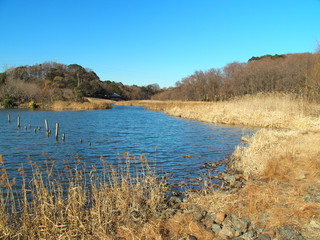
pixel 279 111
pixel 90 205
pixel 88 104
pixel 280 162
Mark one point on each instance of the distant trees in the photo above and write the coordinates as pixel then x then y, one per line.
pixel 293 73
pixel 52 81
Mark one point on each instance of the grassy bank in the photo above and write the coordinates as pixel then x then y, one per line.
pixel 88 104
pixel 280 111
pixel 280 162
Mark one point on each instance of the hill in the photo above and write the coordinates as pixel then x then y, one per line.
pixel 51 81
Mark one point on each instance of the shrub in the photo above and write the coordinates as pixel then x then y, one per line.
pixel 32 104
pixel 8 103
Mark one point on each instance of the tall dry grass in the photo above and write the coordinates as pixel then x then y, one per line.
pixel 280 111
pixel 82 203
pixel 88 104
pixel 281 164
pixel 281 161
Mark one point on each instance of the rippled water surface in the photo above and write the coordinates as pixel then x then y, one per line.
pixel 164 140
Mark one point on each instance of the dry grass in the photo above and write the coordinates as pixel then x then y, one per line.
pixel 281 111
pixel 281 162
pixel 89 104
pixel 81 203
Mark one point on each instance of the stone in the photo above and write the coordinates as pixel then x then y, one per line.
pixel 263 237
pixel 220 217
pixel 301 176
pixel 226 231
pixel 241 225
pixel 269 232
pixel 216 228
pixel 229 178
pixel 288 233
pixel 198 215
pixel 191 237
pixel 247 236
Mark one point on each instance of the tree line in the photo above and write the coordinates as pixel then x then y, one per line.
pixel 289 73
pixel 51 81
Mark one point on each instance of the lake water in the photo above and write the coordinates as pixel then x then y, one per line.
pixel 163 139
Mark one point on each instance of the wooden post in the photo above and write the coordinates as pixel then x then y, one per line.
pixel 63 137
pixel 47 127
pixel 9 119
pixel 57 131
pixel 18 122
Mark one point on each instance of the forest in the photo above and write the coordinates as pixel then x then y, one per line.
pixel 51 81
pixel 297 73
pixel 289 73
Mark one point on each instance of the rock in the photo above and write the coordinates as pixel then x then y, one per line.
pixel 263 237
pixel 229 178
pixel 216 228
pixel 314 224
pixel 301 176
pixel 208 221
pixel 198 215
pixel 220 217
pixel 269 232
pixel 241 225
pixel 191 237
pixel 226 231
pixel 288 233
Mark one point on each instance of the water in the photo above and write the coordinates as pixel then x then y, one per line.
pixel 163 139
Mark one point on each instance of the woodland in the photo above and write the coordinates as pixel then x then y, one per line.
pixel 290 73
pixel 297 73
pixel 51 81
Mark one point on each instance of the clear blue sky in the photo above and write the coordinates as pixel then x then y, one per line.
pixel 147 41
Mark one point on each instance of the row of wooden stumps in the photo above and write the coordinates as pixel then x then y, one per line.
pixel 48 131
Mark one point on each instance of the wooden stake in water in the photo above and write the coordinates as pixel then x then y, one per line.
pixel 63 137
pixel 9 119
pixel 47 127
pixel 57 131
pixel 18 122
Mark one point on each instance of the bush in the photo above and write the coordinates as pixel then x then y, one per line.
pixel 33 105
pixel 8 103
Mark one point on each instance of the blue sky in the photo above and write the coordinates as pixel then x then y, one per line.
pixel 143 42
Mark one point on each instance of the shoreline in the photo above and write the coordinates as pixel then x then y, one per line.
pixel 87 104
pixel 269 190
pixel 277 167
